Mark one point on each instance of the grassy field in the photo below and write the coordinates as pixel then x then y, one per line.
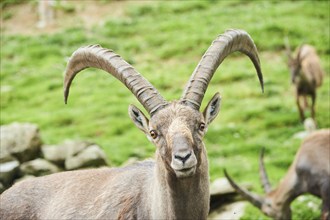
pixel 164 41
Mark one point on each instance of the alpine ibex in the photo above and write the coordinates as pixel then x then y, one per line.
pixel 306 75
pixel 309 173
pixel 174 186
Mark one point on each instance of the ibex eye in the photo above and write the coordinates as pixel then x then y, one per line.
pixel 153 134
pixel 202 127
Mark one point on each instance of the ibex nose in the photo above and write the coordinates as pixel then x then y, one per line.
pixel 183 157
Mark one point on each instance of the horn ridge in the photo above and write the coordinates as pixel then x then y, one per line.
pixel 221 47
pixel 105 59
pixel 256 200
pixel 263 174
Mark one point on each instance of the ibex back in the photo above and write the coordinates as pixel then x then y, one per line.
pixel 174 186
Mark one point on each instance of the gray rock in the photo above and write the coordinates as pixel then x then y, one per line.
pixel 20 140
pixel 221 192
pixel 24 178
pixel 92 156
pixel 54 153
pixel 130 161
pixel 232 211
pixel 8 172
pixel 221 186
pixel 59 153
pixel 38 167
pixel 73 148
pixel 6 158
pixel 310 127
pixel 5 155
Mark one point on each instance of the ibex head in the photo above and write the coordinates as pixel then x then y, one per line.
pixel 176 128
pixel 294 63
pixel 276 210
pixel 269 204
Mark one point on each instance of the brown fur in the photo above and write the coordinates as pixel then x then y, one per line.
pixel 306 75
pixel 146 190
pixel 175 185
pixel 309 173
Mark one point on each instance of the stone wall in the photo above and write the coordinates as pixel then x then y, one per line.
pixel 24 155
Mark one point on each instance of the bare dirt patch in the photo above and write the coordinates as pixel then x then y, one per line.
pixel 23 18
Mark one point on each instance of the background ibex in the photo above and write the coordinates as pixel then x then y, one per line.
pixel 306 75
pixel 309 173
pixel 174 186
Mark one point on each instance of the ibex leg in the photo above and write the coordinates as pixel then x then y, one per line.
pixel 301 110
pixel 325 195
pixel 305 102
pixel 313 105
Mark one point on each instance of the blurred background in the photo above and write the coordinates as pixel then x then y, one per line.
pixel 164 41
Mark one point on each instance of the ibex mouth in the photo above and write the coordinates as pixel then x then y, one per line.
pixel 185 172
pixel 186 169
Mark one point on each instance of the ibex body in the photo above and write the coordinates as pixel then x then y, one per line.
pixel 306 75
pixel 309 173
pixel 174 186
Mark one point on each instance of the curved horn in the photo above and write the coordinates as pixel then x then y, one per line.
pixel 221 47
pixel 107 60
pixel 288 48
pixel 256 200
pixel 300 56
pixel 263 174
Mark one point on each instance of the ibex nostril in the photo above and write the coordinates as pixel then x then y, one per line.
pixel 183 159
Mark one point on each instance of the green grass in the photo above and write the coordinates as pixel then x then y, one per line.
pixel 164 41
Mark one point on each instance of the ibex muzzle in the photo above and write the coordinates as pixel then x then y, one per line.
pixel 183 149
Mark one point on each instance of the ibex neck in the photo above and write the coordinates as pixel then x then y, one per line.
pixel 185 198
pixel 288 189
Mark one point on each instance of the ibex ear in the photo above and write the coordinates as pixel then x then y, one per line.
pixel 212 109
pixel 139 119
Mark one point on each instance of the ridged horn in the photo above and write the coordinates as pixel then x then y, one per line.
pixel 263 174
pixel 107 60
pixel 221 47
pixel 256 200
